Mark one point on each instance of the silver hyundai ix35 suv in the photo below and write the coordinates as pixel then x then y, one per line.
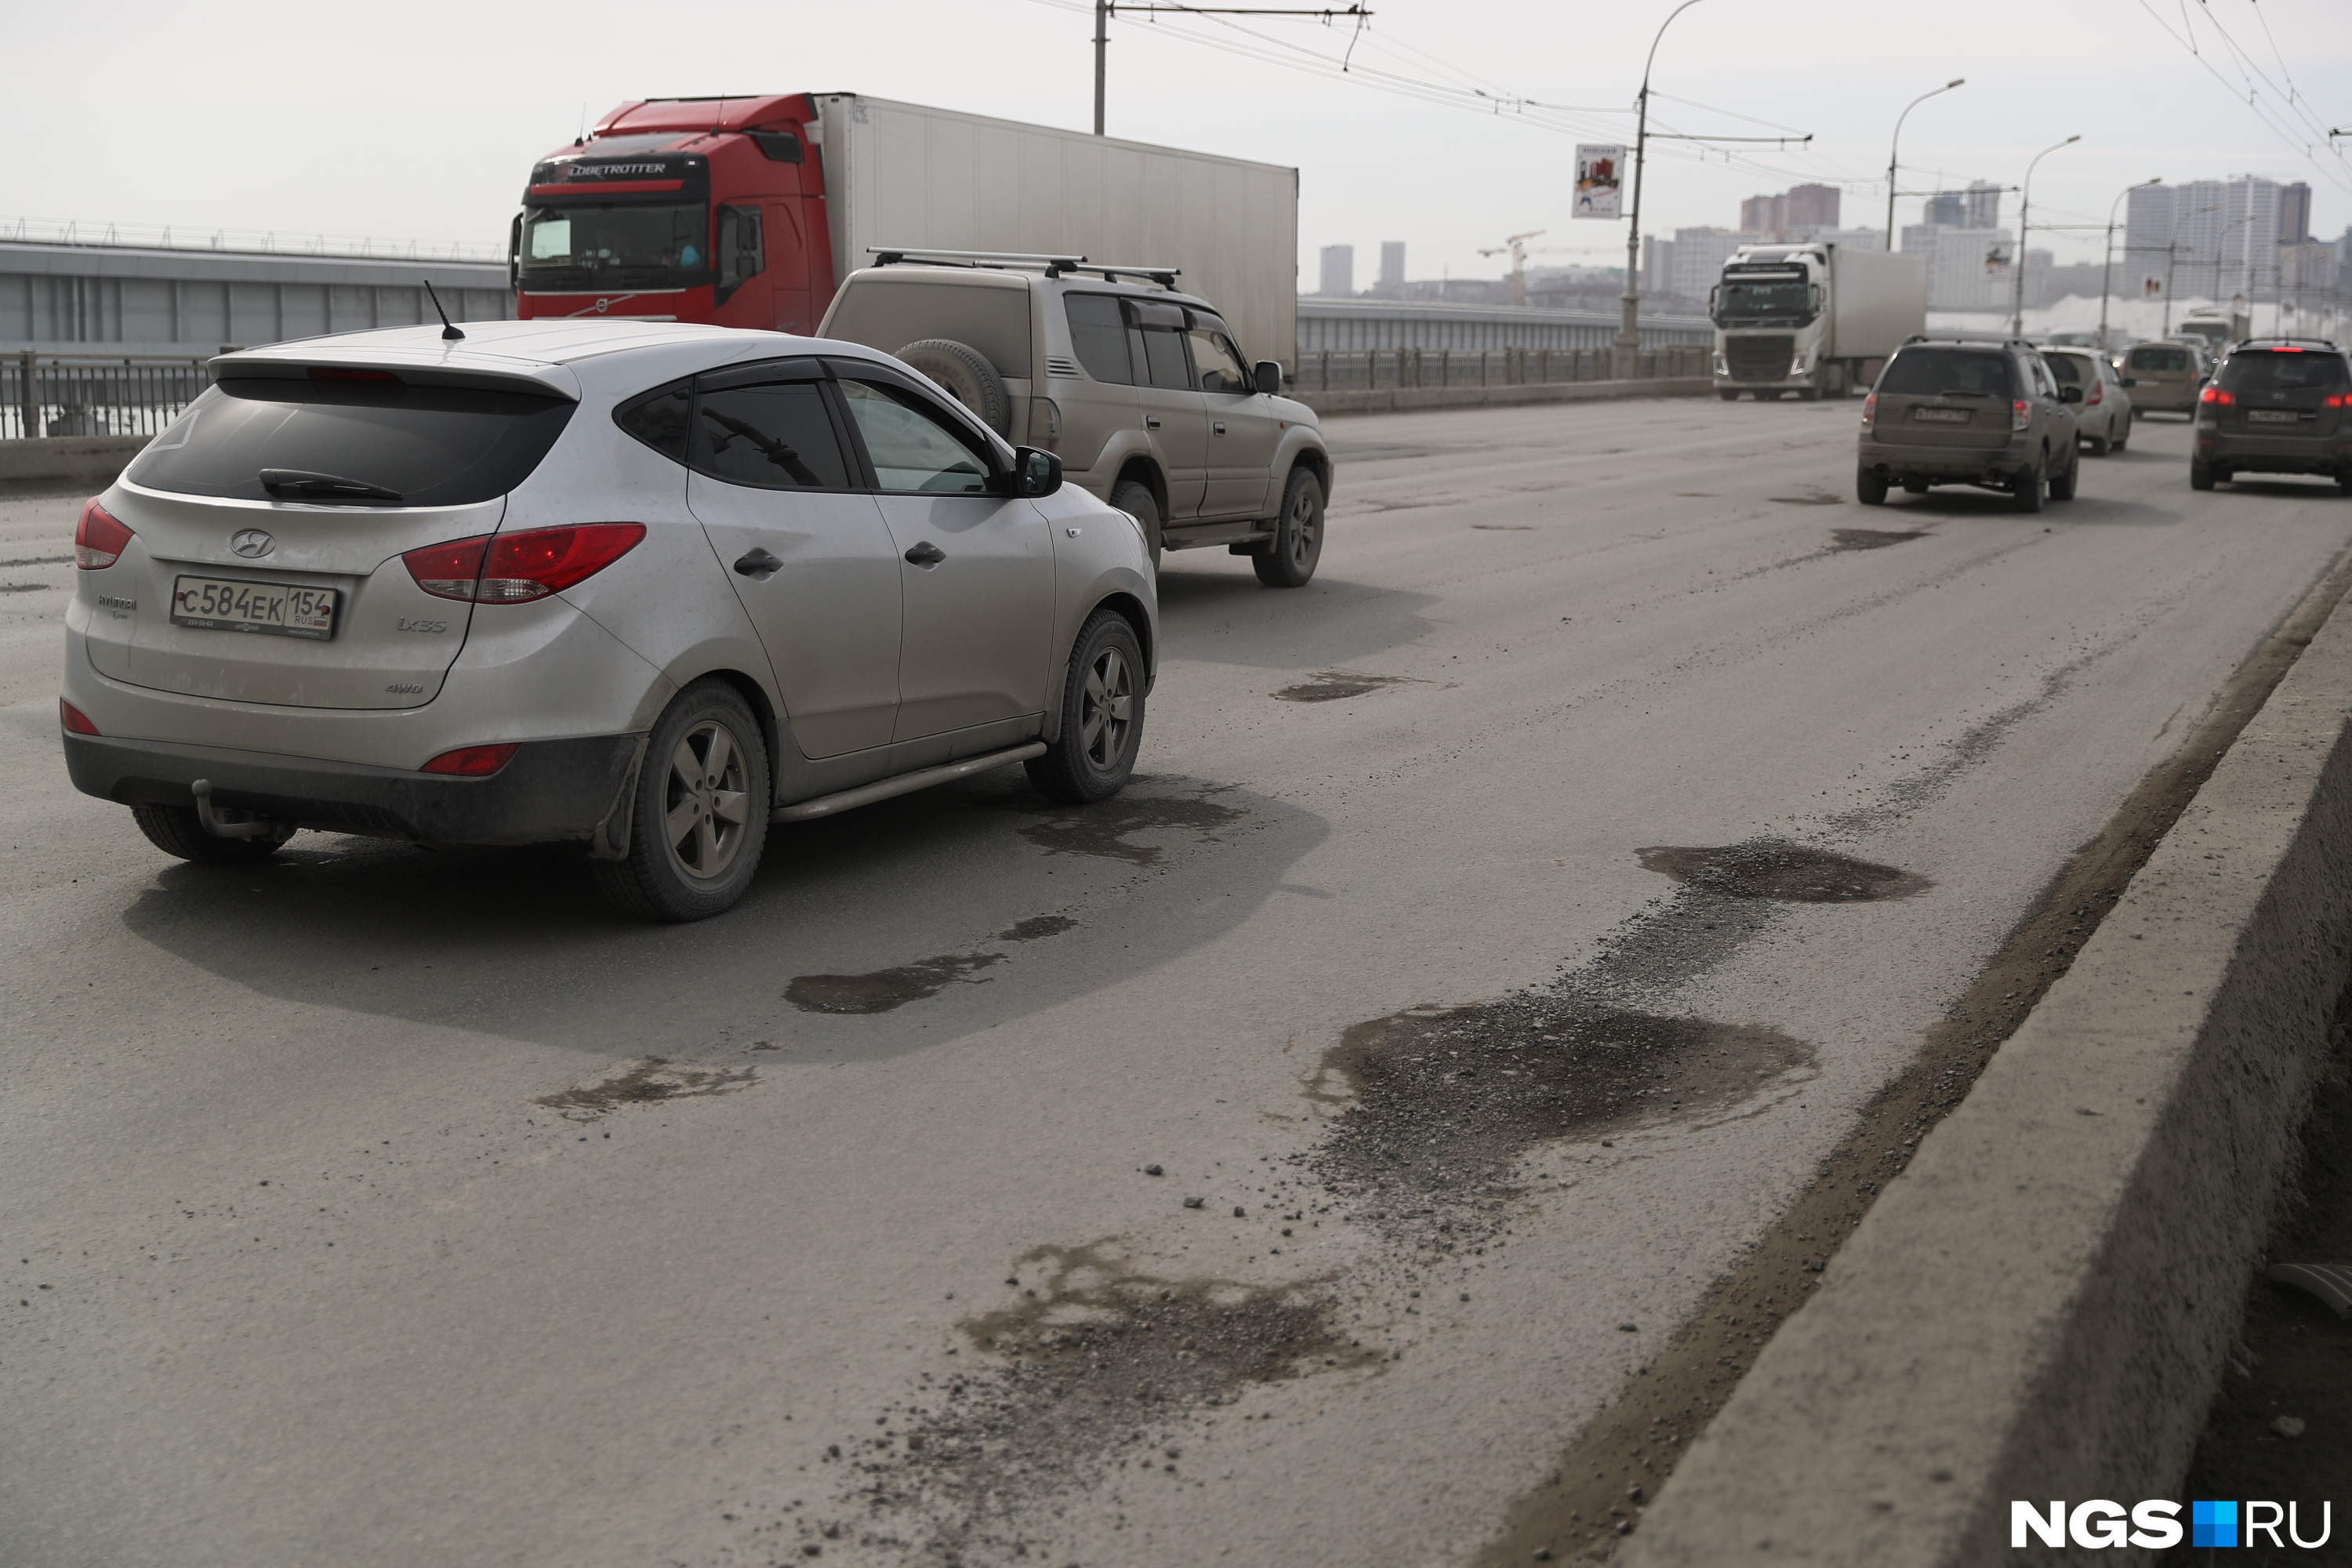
pixel 638 587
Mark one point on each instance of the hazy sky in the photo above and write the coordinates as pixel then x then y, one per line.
pixel 422 119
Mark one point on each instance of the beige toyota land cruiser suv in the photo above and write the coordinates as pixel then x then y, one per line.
pixel 1142 392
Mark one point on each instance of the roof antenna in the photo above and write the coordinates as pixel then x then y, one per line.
pixel 582 140
pixel 449 332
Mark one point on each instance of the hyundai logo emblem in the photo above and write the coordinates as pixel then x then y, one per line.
pixel 251 543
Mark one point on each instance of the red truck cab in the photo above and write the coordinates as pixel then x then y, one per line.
pixel 680 209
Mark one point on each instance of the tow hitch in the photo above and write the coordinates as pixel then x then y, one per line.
pixel 229 823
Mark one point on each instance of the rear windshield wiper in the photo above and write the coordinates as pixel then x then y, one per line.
pixel 306 486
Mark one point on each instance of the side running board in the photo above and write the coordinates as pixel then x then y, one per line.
pixel 904 784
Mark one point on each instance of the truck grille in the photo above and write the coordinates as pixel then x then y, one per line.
pixel 1757 359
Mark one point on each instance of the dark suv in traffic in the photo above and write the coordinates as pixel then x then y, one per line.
pixel 1967 410
pixel 2276 405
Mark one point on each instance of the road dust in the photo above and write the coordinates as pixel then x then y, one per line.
pixel 887 988
pixel 1441 1102
pixel 1107 827
pixel 649 1081
pixel 1333 685
pixel 1782 872
pixel 1845 539
pixel 1097 1365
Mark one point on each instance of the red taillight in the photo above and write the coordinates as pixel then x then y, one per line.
pixel 2340 400
pixel 2098 391
pixel 472 761
pixel 515 568
pixel 76 722
pixel 2216 394
pixel 2021 415
pixel 448 571
pixel 1869 410
pixel 98 538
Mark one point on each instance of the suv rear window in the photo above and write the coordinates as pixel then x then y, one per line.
pixel 1926 372
pixel 2159 359
pixel 2071 370
pixel 1098 337
pixel 429 446
pixel 2277 370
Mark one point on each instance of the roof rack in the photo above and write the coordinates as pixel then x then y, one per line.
pixel 1054 266
pixel 2248 342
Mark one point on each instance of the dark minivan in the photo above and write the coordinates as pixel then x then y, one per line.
pixel 2276 405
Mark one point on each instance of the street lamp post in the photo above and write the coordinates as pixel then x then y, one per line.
pixel 1628 327
pixel 2172 256
pixel 2107 273
pixel 2024 212
pixel 1890 146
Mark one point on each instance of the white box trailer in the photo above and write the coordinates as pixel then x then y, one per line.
pixel 903 176
pixel 1812 317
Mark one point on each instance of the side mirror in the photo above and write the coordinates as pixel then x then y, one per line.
pixel 1269 376
pixel 2069 394
pixel 1036 473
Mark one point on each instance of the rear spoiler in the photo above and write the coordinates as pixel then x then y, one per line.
pixel 285 361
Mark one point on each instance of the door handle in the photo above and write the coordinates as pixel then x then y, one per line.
pixel 926 554
pixel 1219 428
pixel 1152 422
pixel 759 565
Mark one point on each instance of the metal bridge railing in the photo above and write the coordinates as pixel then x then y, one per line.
pixel 89 394
pixel 1376 370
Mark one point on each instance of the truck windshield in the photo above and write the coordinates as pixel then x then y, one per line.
pixel 1752 298
pixel 613 245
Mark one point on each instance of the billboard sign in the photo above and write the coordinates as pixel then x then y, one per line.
pixel 1598 181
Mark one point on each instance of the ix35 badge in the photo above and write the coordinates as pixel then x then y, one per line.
pixel 252 544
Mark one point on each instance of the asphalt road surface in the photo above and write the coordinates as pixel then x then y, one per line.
pixel 1278 1163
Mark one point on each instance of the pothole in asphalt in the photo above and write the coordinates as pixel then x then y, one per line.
pixel 1036 927
pixel 1503 527
pixel 1333 685
pixel 1105 827
pixel 1782 872
pixel 1097 1365
pixel 649 1081
pixel 1817 498
pixel 1441 1102
pixel 1871 538
pixel 886 988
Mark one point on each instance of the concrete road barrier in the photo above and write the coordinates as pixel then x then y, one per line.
pixel 1395 400
pixel 2039 1307
pixel 65 465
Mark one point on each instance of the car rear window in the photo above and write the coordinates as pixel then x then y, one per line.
pixel 2284 370
pixel 428 446
pixel 2159 359
pixel 1929 373
pixel 2071 370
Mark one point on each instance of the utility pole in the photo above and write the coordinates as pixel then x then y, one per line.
pixel 1629 328
pixel 2107 273
pixel 2024 210
pixel 1102 61
pixel 2172 256
pixel 1891 146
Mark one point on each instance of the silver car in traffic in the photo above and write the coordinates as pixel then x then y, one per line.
pixel 638 587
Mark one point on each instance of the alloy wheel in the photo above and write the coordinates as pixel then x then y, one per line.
pixel 707 805
pixel 1303 526
pixel 1107 708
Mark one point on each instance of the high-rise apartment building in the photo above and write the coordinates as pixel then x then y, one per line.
pixel 1391 264
pixel 1338 272
pixel 1799 207
pixel 2213 238
pixel 2294 214
pixel 1984 205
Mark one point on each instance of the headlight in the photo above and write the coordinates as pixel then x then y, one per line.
pixel 1722 365
pixel 1797 364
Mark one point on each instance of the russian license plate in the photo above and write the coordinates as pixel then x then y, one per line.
pixel 273 609
pixel 1941 415
pixel 2272 416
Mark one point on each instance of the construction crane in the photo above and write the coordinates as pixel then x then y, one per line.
pixel 1517 248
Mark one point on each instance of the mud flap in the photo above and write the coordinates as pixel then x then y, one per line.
pixel 611 840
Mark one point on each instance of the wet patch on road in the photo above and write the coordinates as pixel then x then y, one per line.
pixel 1441 1102
pixel 1036 927
pixel 1095 1367
pixel 1503 527
pixel 1335 685
pixel 1775 869
pixel 649 1082
pixel 1107 827
pixel 1848 539
pixel 885 989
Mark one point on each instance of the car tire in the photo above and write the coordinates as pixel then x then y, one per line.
pixel 1289 562
pixel 1134 498
pixel 1869 488
pixel 2062 485
pixel 2100 445
pixel 177 830
pixel 968 376
pixel 2344 482
pixel 2025 491
pixel 1728 394
pixel 2200 476
pixel 1102 716
pixel 706 764
pixel 2123 438
pixel 1915 486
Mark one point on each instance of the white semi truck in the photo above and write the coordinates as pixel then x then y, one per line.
pixel 1814 318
